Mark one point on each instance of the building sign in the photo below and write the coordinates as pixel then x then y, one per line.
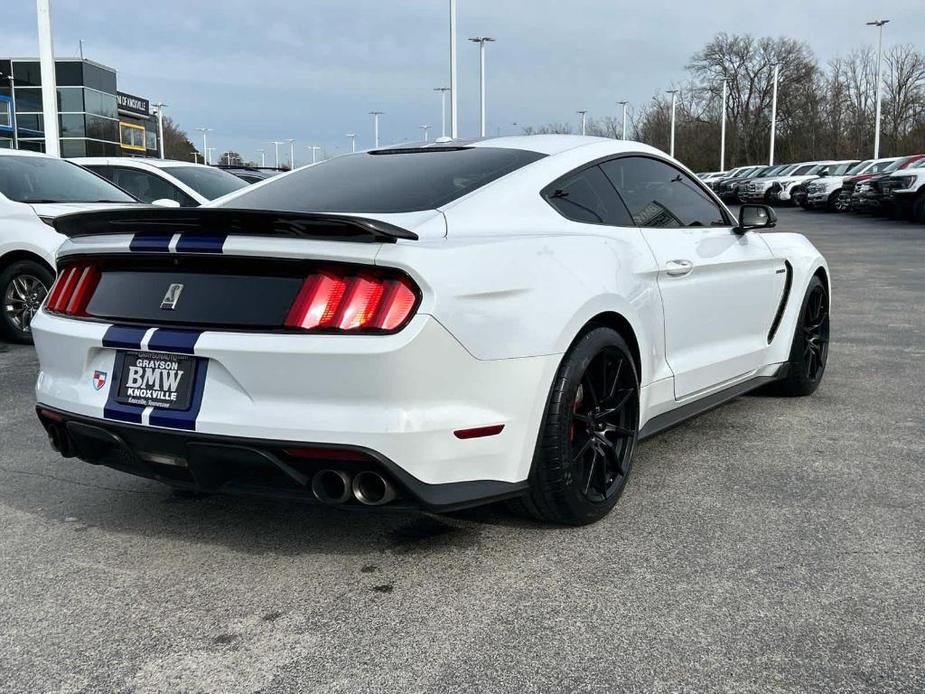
pixel 133 104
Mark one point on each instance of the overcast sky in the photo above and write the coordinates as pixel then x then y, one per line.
pixel 262 70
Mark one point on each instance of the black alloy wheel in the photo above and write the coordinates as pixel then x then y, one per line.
pixel 809 352
pixel 603 426
pixel 585 450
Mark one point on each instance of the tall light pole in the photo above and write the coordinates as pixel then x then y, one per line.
pixel 722 129
pixel 291 153
pixel 13 107
pixel 624 103
pixel 774 113
pixel 482 40
pixel 454 91
pixel 160 128
pixel 209 155
pixel 375 115
pixel 353 141
pixel 276 145
pixel 879 24
pixel 313 149
pixel 443 91
pixel 205 143
pixel 426 129
pixel 581 120
pixel 674 101
pixel 263 157
pixel 49 84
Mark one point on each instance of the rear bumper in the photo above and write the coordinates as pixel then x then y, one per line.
pixel 230 465
pixel 399 397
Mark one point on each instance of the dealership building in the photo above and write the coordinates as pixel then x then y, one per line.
pixel 95 118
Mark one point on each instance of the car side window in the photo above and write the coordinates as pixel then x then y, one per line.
pixel 147 187
pixel 659 195
pixel 587 196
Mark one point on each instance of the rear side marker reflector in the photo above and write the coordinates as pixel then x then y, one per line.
pixel 73 290
pixel 336 302
pixel 479 432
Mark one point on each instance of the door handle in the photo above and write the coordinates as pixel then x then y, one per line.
pixel 678 268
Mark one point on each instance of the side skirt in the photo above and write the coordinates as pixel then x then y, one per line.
pixel 666 421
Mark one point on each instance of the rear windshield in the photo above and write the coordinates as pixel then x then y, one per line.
pixel 209 183
pixel 387 181
pixel 44 179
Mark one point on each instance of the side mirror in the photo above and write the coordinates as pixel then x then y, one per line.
pixel 755 217
pixel 165 202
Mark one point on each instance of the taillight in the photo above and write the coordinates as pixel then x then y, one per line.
pixel 337 301
pixel 73 290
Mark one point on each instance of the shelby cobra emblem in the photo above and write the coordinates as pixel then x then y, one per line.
pixel 172 297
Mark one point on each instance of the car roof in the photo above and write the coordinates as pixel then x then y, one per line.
pixel 23 153
pixel 137 161
pixel 551 144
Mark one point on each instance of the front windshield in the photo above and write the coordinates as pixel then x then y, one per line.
pixel 758 173
pixel 858 168
pixel 839 169
pixel 893 166
pixel 209 183
pixel 880 166
pixel 811 170
pixel 47 179
pixel 785 170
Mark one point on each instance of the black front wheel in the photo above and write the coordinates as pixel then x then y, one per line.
pixel 809 351
pixel 23 287
pixel 585 449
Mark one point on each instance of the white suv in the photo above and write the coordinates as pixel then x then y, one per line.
pixel 824 191
pixel 34 189
pixel 188 185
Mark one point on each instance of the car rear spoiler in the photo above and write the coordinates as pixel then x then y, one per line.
pixel 222 221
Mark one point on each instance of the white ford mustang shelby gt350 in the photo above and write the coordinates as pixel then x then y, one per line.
pixel 435 327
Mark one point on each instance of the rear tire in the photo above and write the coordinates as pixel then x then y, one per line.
pixel 809 350
pixel 586 444
pixel 23 287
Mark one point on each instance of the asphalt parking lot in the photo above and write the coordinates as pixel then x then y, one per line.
pixel 769 545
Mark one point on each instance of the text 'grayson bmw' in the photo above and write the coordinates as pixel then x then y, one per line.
pixel 434 327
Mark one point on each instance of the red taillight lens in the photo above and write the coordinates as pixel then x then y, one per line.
pixel 73 290
pixel 344 302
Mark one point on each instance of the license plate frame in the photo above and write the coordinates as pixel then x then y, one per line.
pixel 147 379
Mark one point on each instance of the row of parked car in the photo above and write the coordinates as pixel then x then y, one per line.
pixel 891 186
pixel 36 188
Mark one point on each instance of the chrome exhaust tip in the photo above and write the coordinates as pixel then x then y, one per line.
pixel 331 487
pixel 372 489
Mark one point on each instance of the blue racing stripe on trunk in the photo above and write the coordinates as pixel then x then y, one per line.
pixel 201 243
pixel 117 410
pixel 179 341
pixel 124 336
pixel 150 243
pixel 176 419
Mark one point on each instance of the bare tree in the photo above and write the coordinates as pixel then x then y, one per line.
pixel 904 90
pixel 822 112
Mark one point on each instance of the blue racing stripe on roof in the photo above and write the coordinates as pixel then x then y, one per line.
pixel 177 419
pixel 124 336
pixel 150 243
pixel 201 243
pixel 169 340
